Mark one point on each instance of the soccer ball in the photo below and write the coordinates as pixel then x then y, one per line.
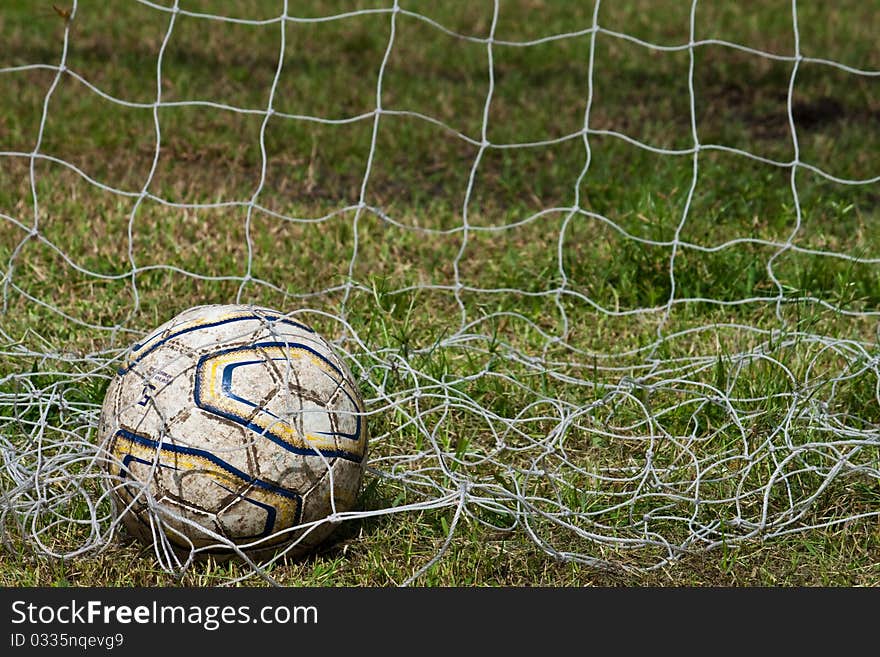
pixel 233 427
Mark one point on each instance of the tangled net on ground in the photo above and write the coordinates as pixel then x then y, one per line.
pixel 712 432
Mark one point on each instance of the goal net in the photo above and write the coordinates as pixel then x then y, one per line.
pixel 606 274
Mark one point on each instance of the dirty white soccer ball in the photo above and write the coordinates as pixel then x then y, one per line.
pixel 233 424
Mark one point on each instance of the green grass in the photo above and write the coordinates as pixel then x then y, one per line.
pixel 419 175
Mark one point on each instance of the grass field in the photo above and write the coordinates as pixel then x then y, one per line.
pixel 99 253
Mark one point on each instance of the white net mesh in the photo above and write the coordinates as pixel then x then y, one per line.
pixel 652 353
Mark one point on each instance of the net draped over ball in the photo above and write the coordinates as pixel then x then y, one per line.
pixel 234 425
